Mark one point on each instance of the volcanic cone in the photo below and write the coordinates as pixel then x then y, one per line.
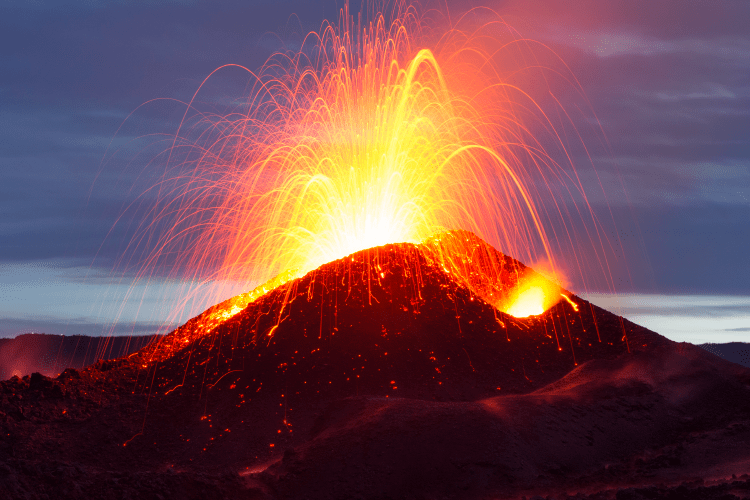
pixel 390 372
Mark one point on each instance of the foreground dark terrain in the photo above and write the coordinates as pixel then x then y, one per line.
pixel 387 374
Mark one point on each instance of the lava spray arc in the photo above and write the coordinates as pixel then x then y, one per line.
pixel 379 129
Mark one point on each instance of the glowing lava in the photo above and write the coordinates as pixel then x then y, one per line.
pixel 533 294
pixel 530 302
pixel 362 137
pixel 375 148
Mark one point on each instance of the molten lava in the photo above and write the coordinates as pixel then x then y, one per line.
pixel 530 302
pixel 371 133
pixel 532 294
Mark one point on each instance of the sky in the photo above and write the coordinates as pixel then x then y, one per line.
pixel 667 86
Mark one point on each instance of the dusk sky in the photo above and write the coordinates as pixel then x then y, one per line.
pixel 669 82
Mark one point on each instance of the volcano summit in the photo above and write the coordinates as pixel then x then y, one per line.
pixel 390 373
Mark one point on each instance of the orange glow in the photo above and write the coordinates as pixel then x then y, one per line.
pixel 533 294
pixel 530 302
pixel 371 133
pixel 376 148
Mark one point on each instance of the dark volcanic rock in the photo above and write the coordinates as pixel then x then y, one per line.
pixel 51 354
pixel 386 374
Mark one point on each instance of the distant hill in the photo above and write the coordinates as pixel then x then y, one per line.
pixel 736 352
pixel 51 354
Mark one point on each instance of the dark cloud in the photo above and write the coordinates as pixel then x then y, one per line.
pixel 666 19
pixel 122 53
pixel 72 74
pixel 698 249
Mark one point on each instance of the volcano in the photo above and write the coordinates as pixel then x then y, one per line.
pixel 390 373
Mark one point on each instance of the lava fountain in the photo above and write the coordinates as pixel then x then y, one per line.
pixel 373 132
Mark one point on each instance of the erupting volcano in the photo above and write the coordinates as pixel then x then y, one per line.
pixel 422 325
pixel 364 210
pixel 361 138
